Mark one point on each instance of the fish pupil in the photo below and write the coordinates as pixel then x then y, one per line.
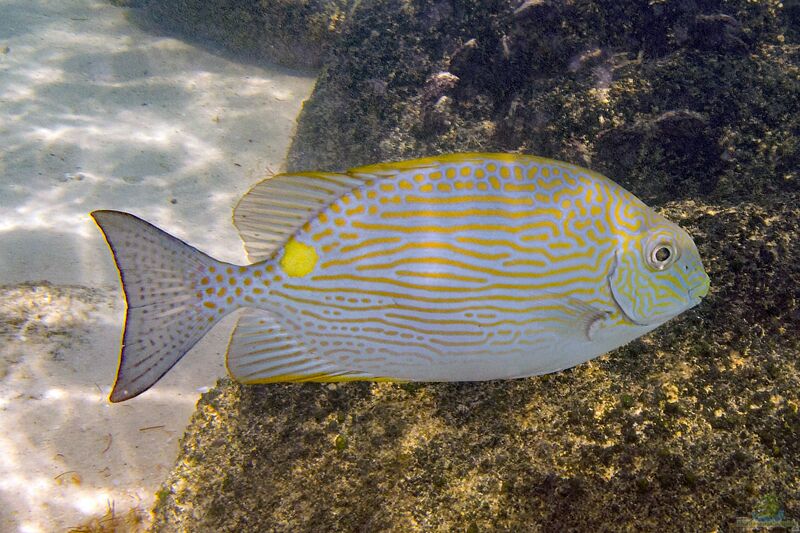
pixel 662 254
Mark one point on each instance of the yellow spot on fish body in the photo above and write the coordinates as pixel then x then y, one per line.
pixel 298 259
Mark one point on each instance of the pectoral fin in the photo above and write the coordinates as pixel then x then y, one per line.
pixel 588 318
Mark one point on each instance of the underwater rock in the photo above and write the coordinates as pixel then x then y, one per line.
pixel 717 33
pixel 533 86
pixel 436 104
pixel 295 33
pixel 673 132
pixel 438 84
pixel 128 3
pixel 463 57
pixel 687 428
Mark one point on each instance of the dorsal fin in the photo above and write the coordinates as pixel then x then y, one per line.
pixel 380 170
pixel 274 209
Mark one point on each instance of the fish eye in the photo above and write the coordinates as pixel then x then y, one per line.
pixel 662 255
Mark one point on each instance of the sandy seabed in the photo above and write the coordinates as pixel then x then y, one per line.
pixel 96 113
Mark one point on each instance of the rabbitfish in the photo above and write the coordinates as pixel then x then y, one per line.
pixel 462 267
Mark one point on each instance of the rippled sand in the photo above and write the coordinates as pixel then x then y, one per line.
pixel 97 113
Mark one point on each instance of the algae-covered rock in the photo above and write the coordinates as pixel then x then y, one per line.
pixel 295 33
pixel 694 107
pixel 631 88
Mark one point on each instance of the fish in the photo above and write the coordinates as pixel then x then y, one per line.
pixel 460 267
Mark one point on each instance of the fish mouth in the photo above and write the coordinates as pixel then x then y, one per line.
pixel 700 290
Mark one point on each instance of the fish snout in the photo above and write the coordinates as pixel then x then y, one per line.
pixel 700 285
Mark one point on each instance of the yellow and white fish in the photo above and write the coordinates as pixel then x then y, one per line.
pixel 461 267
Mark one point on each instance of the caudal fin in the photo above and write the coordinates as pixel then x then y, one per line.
pixel 165 316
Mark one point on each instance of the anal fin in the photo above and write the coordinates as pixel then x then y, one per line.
pixel 262 351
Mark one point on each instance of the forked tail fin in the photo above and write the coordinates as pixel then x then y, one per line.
pixel 166 314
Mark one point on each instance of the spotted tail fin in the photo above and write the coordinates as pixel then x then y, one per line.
pixel 166 314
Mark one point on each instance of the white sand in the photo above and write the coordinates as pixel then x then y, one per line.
pixel 97 114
